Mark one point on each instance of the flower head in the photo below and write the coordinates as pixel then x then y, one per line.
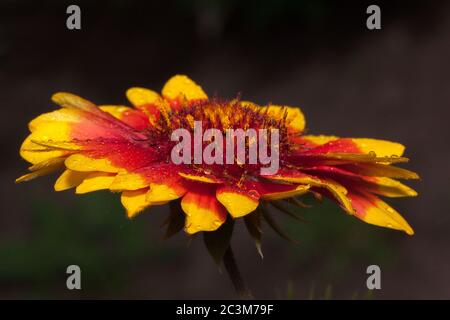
pixel 130 150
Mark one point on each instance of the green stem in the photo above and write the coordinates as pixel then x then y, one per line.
pixel 233 272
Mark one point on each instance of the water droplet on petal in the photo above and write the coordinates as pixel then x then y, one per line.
pixel 253 194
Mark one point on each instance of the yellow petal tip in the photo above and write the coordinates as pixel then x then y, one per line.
pixel 237 204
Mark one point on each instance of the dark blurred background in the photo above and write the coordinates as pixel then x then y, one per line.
pixel 391 83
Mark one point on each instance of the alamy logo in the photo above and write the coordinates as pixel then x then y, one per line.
pixel 374 280
pixel 230 151
pixel 374 20
pixel 74 280
pixel 73 21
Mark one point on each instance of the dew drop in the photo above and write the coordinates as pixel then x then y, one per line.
pixel 253 194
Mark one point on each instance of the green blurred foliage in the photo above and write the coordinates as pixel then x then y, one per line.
pixel 329 229
pixel 331 243
pixel 94 234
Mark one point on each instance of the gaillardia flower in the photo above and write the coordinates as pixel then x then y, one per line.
pixel 128 150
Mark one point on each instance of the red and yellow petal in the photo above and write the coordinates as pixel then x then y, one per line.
pixel 80 162
pixel 142 96
pixel 180 86
pixel 70 179
pixel 92 115
pixel 48 141
pixel 311 159
pixel 312 141
pixel 274 190
pixel 337 191
pixel 237 202
pixel 134 201
pixel 94 123
pixel 294 117
pixel 332 146
pixel 95 181
pixel 162 179
pixel 42 170
pixel 381 148
pixel 70 100
pixel 276 193
pixel 111 156
pixel 203 211
pixel 60 116
pixel 161 192
pixel 199 177
pixel 129 181
pixel 371 209
pixel 380 170
pixel 389 187
pixel 53 162
pixel 134 118
pixel 379 185
pixel 149 102
pixel 84 128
